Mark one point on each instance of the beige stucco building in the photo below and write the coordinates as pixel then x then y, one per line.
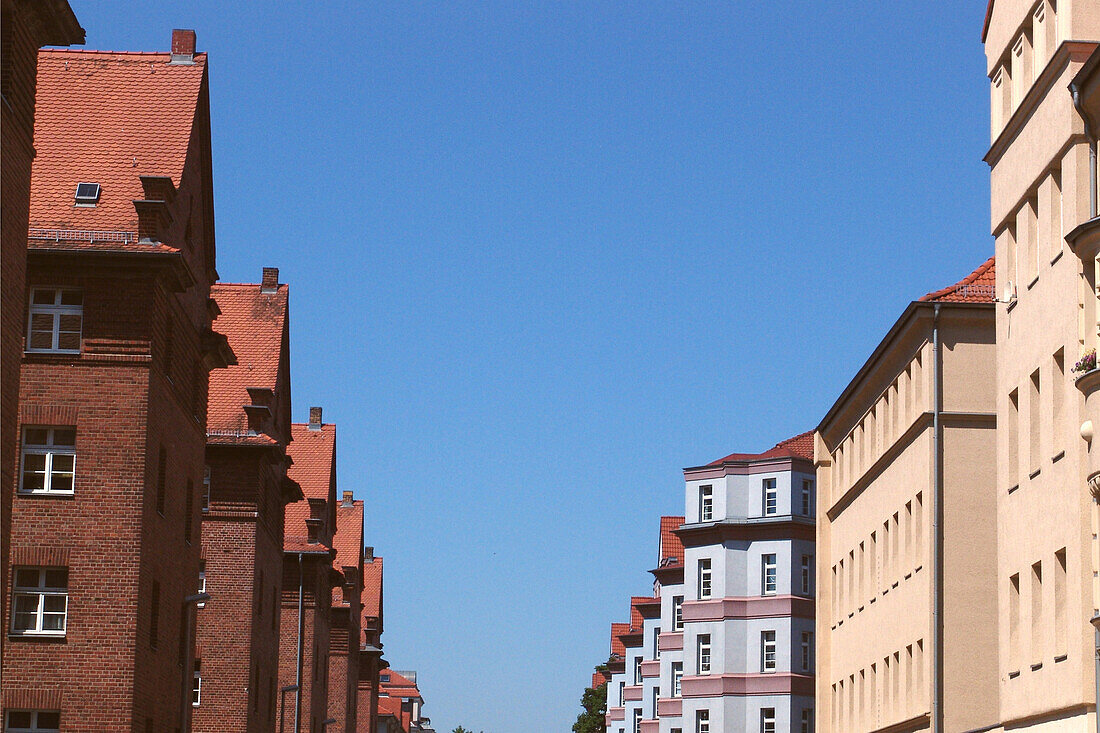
pixel 912 438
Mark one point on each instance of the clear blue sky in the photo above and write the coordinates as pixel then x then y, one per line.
pixel 543 256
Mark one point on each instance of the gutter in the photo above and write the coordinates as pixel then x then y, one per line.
pixel 937 528
pixel 298 666
pixel 1075 92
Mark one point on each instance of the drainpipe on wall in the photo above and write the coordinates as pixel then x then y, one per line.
pixel 937 528
pixel 298 673
pixel 188 674
pixel 1075 91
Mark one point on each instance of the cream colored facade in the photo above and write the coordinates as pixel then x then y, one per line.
pixel 1040 187
pixel 876 455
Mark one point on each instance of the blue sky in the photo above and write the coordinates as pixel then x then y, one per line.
pixel 543 256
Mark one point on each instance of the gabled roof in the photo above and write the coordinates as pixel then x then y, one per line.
pixel 636 617
pixel 617 646
pixel 977 287
pixel 800 446
pixel 399 686
pixel 372 588
pixel 254 323
pixel 671 550
pixel 348 542
pixel 108 118
pixel 313 453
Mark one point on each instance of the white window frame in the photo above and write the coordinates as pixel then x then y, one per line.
pixel 767 720
pixel 202 582
pixel 771 497
pixel 39 593
pixel 807 651
pixel 637 720
pixel 706 503
pixel 55 310
pixel 703 654
pixel 677 678
pixel 767 650
pixel 769 574
pixel 49 449
pixel 638 670
pixel 677 613
pixel 702 721
pixel 35 727
pixel 807 497
pixel 196 684
pixel 807 575
pixel 807 720
pixel 706 579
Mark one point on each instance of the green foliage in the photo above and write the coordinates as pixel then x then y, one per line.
pixel 460 729
pixel 594 702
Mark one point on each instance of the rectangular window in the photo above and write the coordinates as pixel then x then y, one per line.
pixel 1014 619
pixel 206 489
pixel 677 613
pixel 49 460
pixel 767 651
pixel 162 479
pixel 32 721
pixel 767 720
pixel 771 497
pixel 1014 438
pixel 154 615
pixel 196 684
pixel 637 670
pixel 1057 390
pixel 202 581
pixel 702 646
pixel 40 600
pixel 54 321
pixel 704 579
pixel 1060 621
pixel 807 564
pixel 702 721
pixel 677 677
pixel 706 503
pixel 807 498
pixel 1037 626
pixel 807 721
pixel 768 580
pixel 807 650
pixel 637 720
pixel 656 634
pixel 1034 420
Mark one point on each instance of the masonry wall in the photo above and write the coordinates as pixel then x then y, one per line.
pixel 315 639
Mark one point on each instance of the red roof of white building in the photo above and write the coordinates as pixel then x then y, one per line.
pixel 800 446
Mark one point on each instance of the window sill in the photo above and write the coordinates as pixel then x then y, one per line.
pixel 1014 674
pixel 1034 473
pixel 47 494
pixel 1012 489
pixel 1061 658
pixel 37 635
pixel 1057 256
pixel 1058 456
pixel 1031 284
pixel 1036 667
pixel 1012 304
pixel 48 352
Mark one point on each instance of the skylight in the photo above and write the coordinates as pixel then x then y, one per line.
pixel 87 194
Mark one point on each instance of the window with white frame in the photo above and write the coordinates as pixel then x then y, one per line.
pixel 702 721
pixel 807 650
pixel 807 564
pixel 767 720
pixel 656 650
pixel 32 721
pixel 656 695
pixel 771 497
pixel 702 653
pixel 196 683
pixel 705 579
pixel 637 670
pixel 40 598
pixel 767 651
pixel 677 613
pixel 768 573
pixel 49 460
pixel 807 498
pixel 54 320
pixel 637 720
pixel 706 503
pixel 202 581
pixel 677 678
pixel 807 720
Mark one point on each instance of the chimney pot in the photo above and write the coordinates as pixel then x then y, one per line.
pixel 183 46
pixel 270 281
pixel 315 418
pixel 349 498
pixel 368 553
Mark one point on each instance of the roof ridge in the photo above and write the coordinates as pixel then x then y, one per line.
pixel 970 279
pixel 106 52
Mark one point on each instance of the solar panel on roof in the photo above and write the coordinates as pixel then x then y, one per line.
pixel 87 194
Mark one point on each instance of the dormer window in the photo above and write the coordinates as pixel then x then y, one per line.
pixel 87 194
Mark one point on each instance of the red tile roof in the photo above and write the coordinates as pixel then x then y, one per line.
pixel 399 686
pixel 313 453
pixel 800 446
pixel 372 588
pixel 108 118
pixel 977 287
pixel 617 647
pixel 255 325
pixel 636 618
pixel 671 548
pixel 348 542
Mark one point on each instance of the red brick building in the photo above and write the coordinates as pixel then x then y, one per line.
pixel 343 661
pixel 308 575
pixel 245 489
pixel 25 26
pixel 112 397
pixel 370 649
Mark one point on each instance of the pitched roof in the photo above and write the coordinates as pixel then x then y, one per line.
pixel 988 17
pixel 977 287
pixel 617 647
pixel 372 588
pixel 108 118
pixel 348 542
pixel 800 446
pixel 313 453
pixel 671 550
pixel 636 618
pixel 399 686
pixel 254 324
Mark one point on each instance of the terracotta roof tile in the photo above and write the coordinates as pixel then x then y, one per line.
pixel 255 325
pixel 372 588
pixel 671 550
pixel 108 118
pixel 313 453
pixel 800 446
pixel 617 647
pixel 979 286
pixel 348 542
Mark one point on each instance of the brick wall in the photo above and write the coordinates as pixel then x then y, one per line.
pixel 315 638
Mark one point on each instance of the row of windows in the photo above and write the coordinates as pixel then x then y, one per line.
pixel 878 564
pixel 769 582
pixel 32 721
pixel 1033 236
pixel 1022 63
pixel 883 424
pixel 1046 396
pixel 1047 617
pixel 891 689
pixel 769 500
pixel 768 661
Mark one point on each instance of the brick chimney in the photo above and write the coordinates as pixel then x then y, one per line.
pixel 349 499
pixel 183 46
pixel 368 553
pixel 270 281
pixel 315 418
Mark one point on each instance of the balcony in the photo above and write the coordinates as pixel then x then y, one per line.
pixel 670 642
pixel 670 707
pixel 650 726
pixel 651 668
pixel 632 693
